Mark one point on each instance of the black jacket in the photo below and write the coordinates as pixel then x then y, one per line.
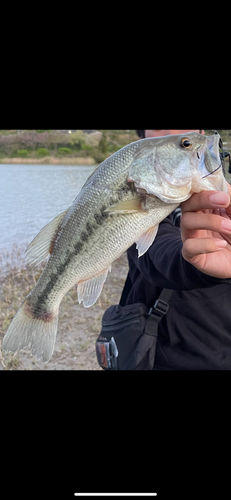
pixel 195 334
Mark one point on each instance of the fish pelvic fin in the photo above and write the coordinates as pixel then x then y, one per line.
pixel 89 290
pixel 42 245
pixel 146 240
pixel 25 329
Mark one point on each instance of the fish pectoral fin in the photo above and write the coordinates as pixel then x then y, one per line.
pixel 89 290
pixel 146 240
pixel 127 206
pixel 42 245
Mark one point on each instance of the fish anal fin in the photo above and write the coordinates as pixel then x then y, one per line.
pixel 42 245
pixel 127 206
pixel 146 240
pixel 89 290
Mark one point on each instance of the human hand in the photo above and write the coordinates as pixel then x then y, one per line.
pixel 206 240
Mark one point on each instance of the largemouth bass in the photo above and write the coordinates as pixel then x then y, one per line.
pixel 122 202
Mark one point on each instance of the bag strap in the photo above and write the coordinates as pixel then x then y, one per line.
pixel 157 312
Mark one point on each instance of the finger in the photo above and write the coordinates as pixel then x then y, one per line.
pixel 193 221
pixel 229 188
pixel 194 247
pixel 206 200
pixel 228 209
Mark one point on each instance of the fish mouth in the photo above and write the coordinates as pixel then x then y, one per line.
pixel 212 172
pixel 211 158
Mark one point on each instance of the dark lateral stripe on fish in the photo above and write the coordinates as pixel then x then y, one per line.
pixel 100 217
pixel 84 236
pixel 89 228
pixel 37 312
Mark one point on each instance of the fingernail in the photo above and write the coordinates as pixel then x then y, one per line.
pixel 226 224
pixel 219 198
pixel 221 243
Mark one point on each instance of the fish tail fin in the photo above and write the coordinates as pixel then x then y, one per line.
pixel 26 329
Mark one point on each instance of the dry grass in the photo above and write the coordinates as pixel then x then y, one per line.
pixel 16 281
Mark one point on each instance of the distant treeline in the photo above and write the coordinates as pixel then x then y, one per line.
pixel 98 144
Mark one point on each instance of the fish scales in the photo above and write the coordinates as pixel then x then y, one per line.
pixel 122 202
pixel 91 214
pixel 91 254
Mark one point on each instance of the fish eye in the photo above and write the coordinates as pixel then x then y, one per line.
pixel 185 143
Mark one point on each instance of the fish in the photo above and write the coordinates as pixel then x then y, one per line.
pixel 121 203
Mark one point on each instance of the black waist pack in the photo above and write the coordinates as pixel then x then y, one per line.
pixel 128 336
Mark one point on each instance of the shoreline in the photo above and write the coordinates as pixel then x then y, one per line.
pixel 50 160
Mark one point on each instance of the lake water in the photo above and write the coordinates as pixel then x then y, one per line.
pixel 32 195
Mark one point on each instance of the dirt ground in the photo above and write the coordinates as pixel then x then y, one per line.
pixel 78 326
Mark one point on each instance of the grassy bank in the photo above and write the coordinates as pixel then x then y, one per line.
pixel 59 147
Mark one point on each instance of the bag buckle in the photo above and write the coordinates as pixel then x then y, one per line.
pixel 160 307
pixel 107 352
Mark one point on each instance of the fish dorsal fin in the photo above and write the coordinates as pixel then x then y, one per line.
pixel 127 206
pixel 42 245
pixel 146 240
pixel 89 290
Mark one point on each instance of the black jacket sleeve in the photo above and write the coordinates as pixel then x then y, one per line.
pixel 164 266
